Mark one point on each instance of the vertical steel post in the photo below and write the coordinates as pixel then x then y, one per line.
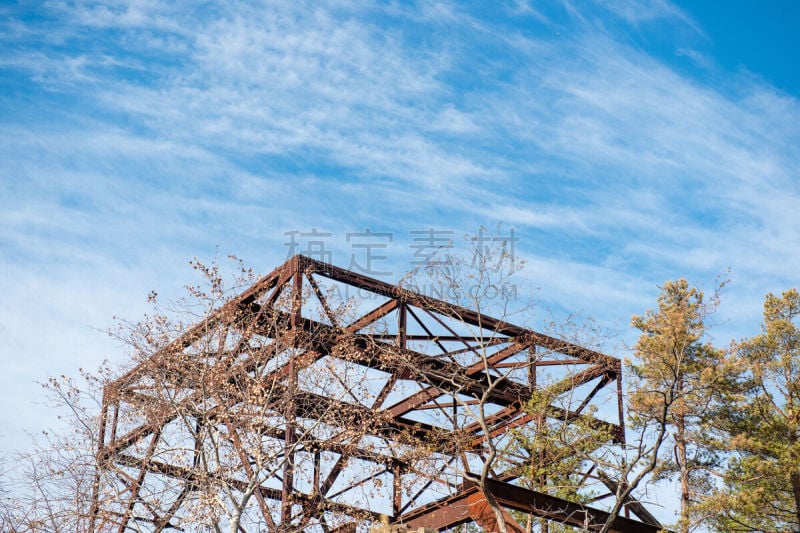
pixel 401 324
pixel 94 509
pixel 397 488
pixel 289 415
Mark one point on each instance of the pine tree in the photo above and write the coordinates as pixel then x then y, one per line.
pixel 762 481
pixel 679 376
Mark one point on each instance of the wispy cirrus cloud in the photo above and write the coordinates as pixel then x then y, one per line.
pixel 636 12
pixel 574 125
pixel 138 134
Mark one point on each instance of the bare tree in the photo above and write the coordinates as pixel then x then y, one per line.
pixel 247 418
pixel 50 484
pixel 285 404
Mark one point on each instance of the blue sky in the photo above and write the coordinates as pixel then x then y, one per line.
pixel 625 142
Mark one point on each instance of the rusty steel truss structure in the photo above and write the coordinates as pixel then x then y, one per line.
pixel 320 398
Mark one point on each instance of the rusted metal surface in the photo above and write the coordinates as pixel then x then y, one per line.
pixel 424 355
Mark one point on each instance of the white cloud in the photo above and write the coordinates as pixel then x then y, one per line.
pixel 635 12
pixel 164 130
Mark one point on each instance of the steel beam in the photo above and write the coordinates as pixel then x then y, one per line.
pixel 253 312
